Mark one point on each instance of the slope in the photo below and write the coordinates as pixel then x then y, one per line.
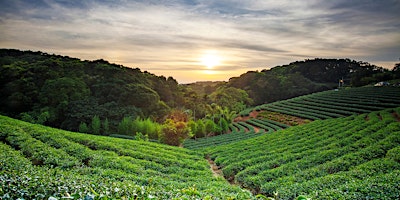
pixel 38 162
pixel 322 105
pixel 342 158
pixel 333 103
pixel 305 77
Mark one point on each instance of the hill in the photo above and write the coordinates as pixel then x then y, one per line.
pixel 309 76
pixel 38 162
pixel 63 92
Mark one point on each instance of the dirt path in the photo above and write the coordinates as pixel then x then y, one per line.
pixel 214 168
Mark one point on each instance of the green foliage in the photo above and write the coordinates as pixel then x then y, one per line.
pixel 305 77
pixel 223 124
pixel 27 117
pixel 233 99
pixel 174 132
pixel 219 140
pixel 210 126
pixel 147 127
pixel 125 127
pixel 193 127
pixel 37 162
pixel 83 128
pixel 200 129
pixel 72 91
pixel 328 104
pixel 106 126
pixel 341 158
pixel 96 125
pixel 141 137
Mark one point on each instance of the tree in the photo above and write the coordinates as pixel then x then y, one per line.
pixel 96 125
pixel 125 127
pixel 223 124
pixel 234 99
pixel 175 129
pixel 193 127
pixel 83 128
pixel 175 132
pixel 210 126
pixel 106 127
pixel 200 129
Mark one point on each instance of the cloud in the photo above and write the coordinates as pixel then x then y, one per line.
pixel 171 35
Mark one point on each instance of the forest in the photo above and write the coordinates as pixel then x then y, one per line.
pixel 103 98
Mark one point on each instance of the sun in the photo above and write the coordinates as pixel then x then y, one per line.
pixel 210 59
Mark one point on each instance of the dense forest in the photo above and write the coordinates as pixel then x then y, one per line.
pixel 99 97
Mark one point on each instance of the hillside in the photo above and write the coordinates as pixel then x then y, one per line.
pixel 354 157
pixel 38 162
pixel 64 92
pixel 309 76
pixel 275 116
pixel 98 97
pixel 335 103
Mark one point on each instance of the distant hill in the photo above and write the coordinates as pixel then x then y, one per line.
pixel 204 87
pixel 304 77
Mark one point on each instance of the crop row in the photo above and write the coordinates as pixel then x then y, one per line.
pixel 328 104
pixel 342 158
pixel 39 162
pixel 294 112
pixel 267 124
pixel 239 133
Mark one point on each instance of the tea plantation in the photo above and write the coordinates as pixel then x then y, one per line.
pixel 332 104
pixel 350 151
pixel 355 157
pixel 37 162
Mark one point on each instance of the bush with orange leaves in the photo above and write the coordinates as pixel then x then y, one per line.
pixel 175 129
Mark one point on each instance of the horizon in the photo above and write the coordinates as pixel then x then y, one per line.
pixel 195 41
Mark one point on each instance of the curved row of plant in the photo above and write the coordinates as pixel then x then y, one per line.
pixel 38 162
pixel 332 104
pixel 238 131
pixel 343 158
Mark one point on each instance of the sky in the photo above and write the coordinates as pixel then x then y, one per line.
pixel 205 40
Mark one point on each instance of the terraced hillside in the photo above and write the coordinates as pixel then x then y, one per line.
pixel 322 105
pixel 355 157
pixel 238 131
pixel 38 162
pixel 332 104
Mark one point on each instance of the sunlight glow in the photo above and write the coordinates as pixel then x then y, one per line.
pixel 210 59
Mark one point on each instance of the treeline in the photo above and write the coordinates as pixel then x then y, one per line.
pixel 304 77
pixel 96 96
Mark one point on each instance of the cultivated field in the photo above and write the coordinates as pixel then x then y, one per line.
pixel 349 148
pixel 38 162
pixel 342 158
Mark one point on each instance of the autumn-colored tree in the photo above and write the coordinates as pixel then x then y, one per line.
pixel 175 129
